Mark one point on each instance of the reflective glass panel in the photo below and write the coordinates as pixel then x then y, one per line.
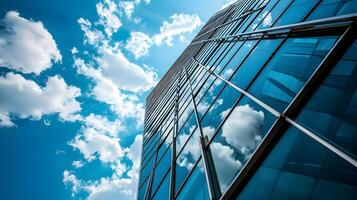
pixel 238 138
pixel 163 191
pixel 331 8
pixel 196 187
pixel 188 156
pixel 300 168
pixel 290 68
pixel 161 168
pixel 332 111
pixel 254 62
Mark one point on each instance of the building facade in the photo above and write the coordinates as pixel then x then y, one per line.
pixel 261 105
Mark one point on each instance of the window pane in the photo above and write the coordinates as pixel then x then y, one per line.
pixel 142 190
pixel 331 8
pixel 255 61
pixel 332 111
pixel 184 133
pixel 196 186
pixel 237 140
pixel 161 169
pixel 291 67
pixel 300 168
pixel 163 191
pixel 296 12
pixel 217 112
pixel 188 157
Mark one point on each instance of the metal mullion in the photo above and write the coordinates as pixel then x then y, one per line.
pixel 211 176
pixel 173 155
pixel 299 25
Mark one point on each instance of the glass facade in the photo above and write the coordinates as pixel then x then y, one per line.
pixel 261 105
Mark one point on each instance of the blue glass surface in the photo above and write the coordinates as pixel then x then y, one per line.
pixel 217 112
pixel 238 138
pixel 289 69
pixel 254 62
pixel 142 190
pixel 296 12
pixel 196 186
pixel 163 191
pixel 300 168
pixel 161 168
pixel 187 158
pixel 332 8
pixel 332 111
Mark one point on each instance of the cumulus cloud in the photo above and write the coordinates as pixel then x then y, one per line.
pixel 125 74
pixel 128 8
pixel 114 186
pixel 138 44
pixel 77 164
pixel 242 130
pixel 225 163
pixel 25 45
pixel 92 36
pixel 55 97
pixel 179 24
pixel 98 138
pixel 107 12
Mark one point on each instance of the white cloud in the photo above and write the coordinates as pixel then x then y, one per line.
pixel 128 8
pixel 225 163
pixel 138 44
pixel 77 164
pixel 55 97
pixel 92 143
pixel 179 24
pixel 74 50
pixel 5 120
pixel 125 74
pixel 69 179
pixel 115 186
pixel 242 129
pixel 92 36
pixel 26 45
pixel 107 12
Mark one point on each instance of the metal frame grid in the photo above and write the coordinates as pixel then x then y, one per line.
pixel 196 70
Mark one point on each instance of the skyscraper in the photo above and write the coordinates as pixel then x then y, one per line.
pixel 261 105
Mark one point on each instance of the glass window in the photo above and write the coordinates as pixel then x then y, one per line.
pixel 186 130
pixel 163 191
pixel 237 59
pixel 145 172
pixel 196 187
pixel 218 110
pixel 332 111
pixel 300 168
pixel 331 8
pixel 161 169
pixel 142 190
pixel 296 12
pixel 258 16
pixel 238 138
pixel 187 157
pixel 271 16
pixel 290 68
pixel 209 96
pixel 254 62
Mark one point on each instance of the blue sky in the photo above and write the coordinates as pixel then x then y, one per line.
pixel 74 76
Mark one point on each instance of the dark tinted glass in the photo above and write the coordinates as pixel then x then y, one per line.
pixel 332 111
pixel 196 186
pixel 300 168
pixel 289 69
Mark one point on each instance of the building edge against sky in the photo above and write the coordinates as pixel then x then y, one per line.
pixel 261 105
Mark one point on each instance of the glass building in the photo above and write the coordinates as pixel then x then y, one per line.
pixel 261 105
